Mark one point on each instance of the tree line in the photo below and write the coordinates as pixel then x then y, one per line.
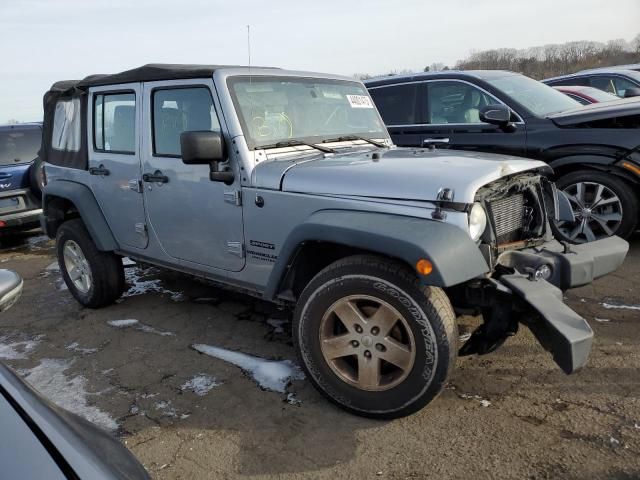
pixel 544 61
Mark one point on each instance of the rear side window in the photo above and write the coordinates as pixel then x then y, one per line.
pixel 397 103
pixel 19 145
pixel 66 126
pixel 570 82
pixel 114 122
pixel 180 110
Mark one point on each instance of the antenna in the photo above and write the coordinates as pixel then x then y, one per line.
pixel 249 43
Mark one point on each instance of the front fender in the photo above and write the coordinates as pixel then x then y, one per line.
pixel 87 206
pixel 455 257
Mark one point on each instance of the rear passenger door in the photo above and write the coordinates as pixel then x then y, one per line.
pixel 196 220
pixel 114 161
pixel 398 106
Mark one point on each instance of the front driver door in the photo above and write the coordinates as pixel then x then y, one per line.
pixel 452 112
pixel 195 219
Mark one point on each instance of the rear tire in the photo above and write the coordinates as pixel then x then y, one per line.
pixel 393 355
pixel 94 278
pixel 615 213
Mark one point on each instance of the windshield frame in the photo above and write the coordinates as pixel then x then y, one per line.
pixel 383 134
pixel 495 83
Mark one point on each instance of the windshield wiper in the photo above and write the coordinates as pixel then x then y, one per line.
pixel 347 138
pixel 295 143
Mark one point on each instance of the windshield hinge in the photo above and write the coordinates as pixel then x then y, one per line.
pixel 444 195
pixel 233 197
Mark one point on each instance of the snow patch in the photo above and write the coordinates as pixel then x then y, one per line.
pixel 269 374
pixel 610 306
pixel 67 392
pixel 483 402
pixel 602 320
pixel 17 350
pixel 133 276
pixel 166 408
pixel 200 384
pixel 292 400
pixel 75 347
pixel 137 325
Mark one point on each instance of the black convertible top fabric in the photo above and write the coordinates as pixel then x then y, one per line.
pixel 146 73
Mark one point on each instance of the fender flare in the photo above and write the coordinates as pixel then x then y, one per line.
pixel 455 257
pixel 87 206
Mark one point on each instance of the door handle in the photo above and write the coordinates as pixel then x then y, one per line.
pixel 103 172
pixel 433 141
pixel 155 177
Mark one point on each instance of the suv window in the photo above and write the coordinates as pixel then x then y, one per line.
pixel 571 82
pixel 114 122
pixel 66 126
pixel 396 103
pixel 456 102
pixel 612 84
pixel 19 145
pixel 180 110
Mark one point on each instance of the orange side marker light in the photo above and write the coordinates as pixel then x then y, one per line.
pixel 424 266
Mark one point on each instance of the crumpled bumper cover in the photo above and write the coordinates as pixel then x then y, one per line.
pixel 558 328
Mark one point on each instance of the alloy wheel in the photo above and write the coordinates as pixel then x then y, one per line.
pixel 77 266
pixel 367 343
pixel 598 212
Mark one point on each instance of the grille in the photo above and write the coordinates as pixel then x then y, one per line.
pixel 508 218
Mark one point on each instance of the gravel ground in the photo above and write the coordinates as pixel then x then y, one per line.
pixel 511 414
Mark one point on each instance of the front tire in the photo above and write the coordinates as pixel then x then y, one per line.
pixel 94 278
pixel 372 339
pixel 604 205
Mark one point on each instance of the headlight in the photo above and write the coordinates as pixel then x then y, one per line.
pixel 477 221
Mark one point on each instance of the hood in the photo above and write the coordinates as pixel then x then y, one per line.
pixel 597 111
pixel 399 173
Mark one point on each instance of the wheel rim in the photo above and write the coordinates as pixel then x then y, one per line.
pixel 367 343
pixel 77 266
pixel 598 212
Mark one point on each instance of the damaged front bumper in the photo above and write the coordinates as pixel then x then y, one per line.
pixel 527 287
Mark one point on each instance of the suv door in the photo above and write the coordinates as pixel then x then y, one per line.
pixel 397 105
pixel 451 109
pixel 114 161
pixel 194 219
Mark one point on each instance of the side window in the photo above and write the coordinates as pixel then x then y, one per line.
pixel 622 85
pixel 66 125
pixel 571 82
pixel 114 122
pixel 397 103
pixel 456 102
pixel 604 83
pixel 180 110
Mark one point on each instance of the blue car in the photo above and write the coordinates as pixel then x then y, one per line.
pixel 21 177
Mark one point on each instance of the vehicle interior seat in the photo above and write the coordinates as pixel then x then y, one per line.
pixel 437 110
pixel 471 107
pixel 124 125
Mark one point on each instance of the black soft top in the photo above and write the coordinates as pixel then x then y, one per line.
pixel 147 73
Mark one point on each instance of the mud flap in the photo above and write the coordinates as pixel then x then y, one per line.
pixel 559 329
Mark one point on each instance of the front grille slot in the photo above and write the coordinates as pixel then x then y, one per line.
pixel 508 218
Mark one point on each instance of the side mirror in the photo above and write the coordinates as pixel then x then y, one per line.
pixel 497 114
pixel 632 92
pixel 10 289
pixel 206 147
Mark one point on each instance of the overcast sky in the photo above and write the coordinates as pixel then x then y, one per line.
pixel 48 40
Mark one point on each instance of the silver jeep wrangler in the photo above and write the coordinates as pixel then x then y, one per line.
pixel 285 185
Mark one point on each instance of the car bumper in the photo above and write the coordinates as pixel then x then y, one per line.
pixel 559 329
pixel 28 219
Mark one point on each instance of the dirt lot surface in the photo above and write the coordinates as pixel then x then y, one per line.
pixel 511 414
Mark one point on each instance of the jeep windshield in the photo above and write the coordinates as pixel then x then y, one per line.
pixel 540 99
pixel 276 111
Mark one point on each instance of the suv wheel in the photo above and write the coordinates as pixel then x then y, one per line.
pixel 94 278
pixel 604 205
pixel 372 339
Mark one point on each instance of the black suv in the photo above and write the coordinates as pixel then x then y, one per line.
pixel 594 150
